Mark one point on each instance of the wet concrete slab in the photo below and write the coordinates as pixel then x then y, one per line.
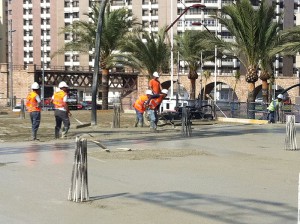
pixel 245 177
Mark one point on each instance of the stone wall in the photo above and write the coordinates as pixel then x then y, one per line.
pixel 22 80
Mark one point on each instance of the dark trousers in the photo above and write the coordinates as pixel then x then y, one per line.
pixel 271 116
pixel 61 117
pixel 35 118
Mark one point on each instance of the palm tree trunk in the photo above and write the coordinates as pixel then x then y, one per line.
pixel 204 90
pixel 264 91
pixel 193 88
pixel 251 105
pixel 105 88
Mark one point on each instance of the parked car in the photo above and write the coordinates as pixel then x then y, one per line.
pixel 87 105
pixel 17 108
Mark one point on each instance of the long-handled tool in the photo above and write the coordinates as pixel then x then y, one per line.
pixel 81 124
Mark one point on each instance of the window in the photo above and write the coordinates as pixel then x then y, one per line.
pixel 75 14
pixel 75 57
pixel 145 12
pixel 76 4
pixel 67 58
pixel 67 3
pixel 145 23
pixel 67 36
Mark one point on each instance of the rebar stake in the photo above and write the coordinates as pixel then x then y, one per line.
pixel 78 190
pixel 116 117
pixel 290 139
pixel 186 129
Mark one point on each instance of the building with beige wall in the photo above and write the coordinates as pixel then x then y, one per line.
pixel 36 27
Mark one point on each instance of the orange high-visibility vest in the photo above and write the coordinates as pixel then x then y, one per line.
pixel 139 104
pixel 58 99
pixel 154 84
pixel 155 102
pixel 31 102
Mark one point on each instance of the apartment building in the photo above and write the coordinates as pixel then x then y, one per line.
pixel 31 29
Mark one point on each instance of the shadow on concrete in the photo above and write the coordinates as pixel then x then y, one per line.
pixel 107 196
pixel 220 208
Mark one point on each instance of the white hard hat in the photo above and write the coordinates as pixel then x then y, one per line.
pixel 149 92
pixel 280 96
pixel 164 91
pixel 155 74
pixel 63 84
pixel 35 85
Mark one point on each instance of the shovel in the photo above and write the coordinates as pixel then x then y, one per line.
pixel 81 124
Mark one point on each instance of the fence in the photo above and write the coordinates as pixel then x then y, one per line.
pixel 223 108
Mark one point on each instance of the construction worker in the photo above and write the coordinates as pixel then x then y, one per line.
pixel 140 107
pixel 153 107
pixel 61 113
pixel 33 102
pixel 273 107
pixel 154 84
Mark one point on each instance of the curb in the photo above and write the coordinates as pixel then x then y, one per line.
pixel 244 121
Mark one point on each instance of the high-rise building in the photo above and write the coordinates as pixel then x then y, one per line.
pixel 34 28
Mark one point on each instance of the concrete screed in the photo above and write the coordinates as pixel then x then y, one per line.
pixel 224 173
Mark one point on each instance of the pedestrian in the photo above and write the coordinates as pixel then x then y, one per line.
pixel 33 106
pixel 153 107
pixel 273 107
pixel 140 107
pixel 61 112
pixel 154 84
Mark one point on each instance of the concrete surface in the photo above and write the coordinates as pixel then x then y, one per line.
pixel 243 175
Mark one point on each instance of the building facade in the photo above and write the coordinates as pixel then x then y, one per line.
pixel 34 27
pixel 31 30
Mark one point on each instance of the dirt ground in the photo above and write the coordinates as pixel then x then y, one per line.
pixel 15 129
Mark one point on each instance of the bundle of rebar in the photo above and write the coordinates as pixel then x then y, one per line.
pixel 116 117
pixel 186 129
pixel 78 191
pixel 290 139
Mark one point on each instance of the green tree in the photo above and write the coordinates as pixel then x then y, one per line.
pixel 190 47
pixel 116 24
pixel 253 30
pixel 289 42
pixel 146 52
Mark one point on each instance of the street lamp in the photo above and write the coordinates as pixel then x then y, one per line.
pixel 11 92
pixel 216 60
pixel 172 35
pixel 43 74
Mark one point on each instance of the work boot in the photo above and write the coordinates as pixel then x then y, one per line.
pixel 64 132
pixel 56 135
pixel 136 123
pixel 153 130
pixel 34 138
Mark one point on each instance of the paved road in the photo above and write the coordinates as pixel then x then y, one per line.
pixel 244 175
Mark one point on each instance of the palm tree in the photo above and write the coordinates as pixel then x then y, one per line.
pixel 190 46
pixel 237 77
pixel 116 25
pixel 289 42
pixel 146 56
pixel 207 75
pixel 251 30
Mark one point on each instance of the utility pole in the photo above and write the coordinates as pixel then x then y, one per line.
pixel 11 93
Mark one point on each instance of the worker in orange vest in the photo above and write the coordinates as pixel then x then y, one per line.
pixel 61 113
pixel 154 84
pixel 33 101
pixel 140 107
pixel 153 107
